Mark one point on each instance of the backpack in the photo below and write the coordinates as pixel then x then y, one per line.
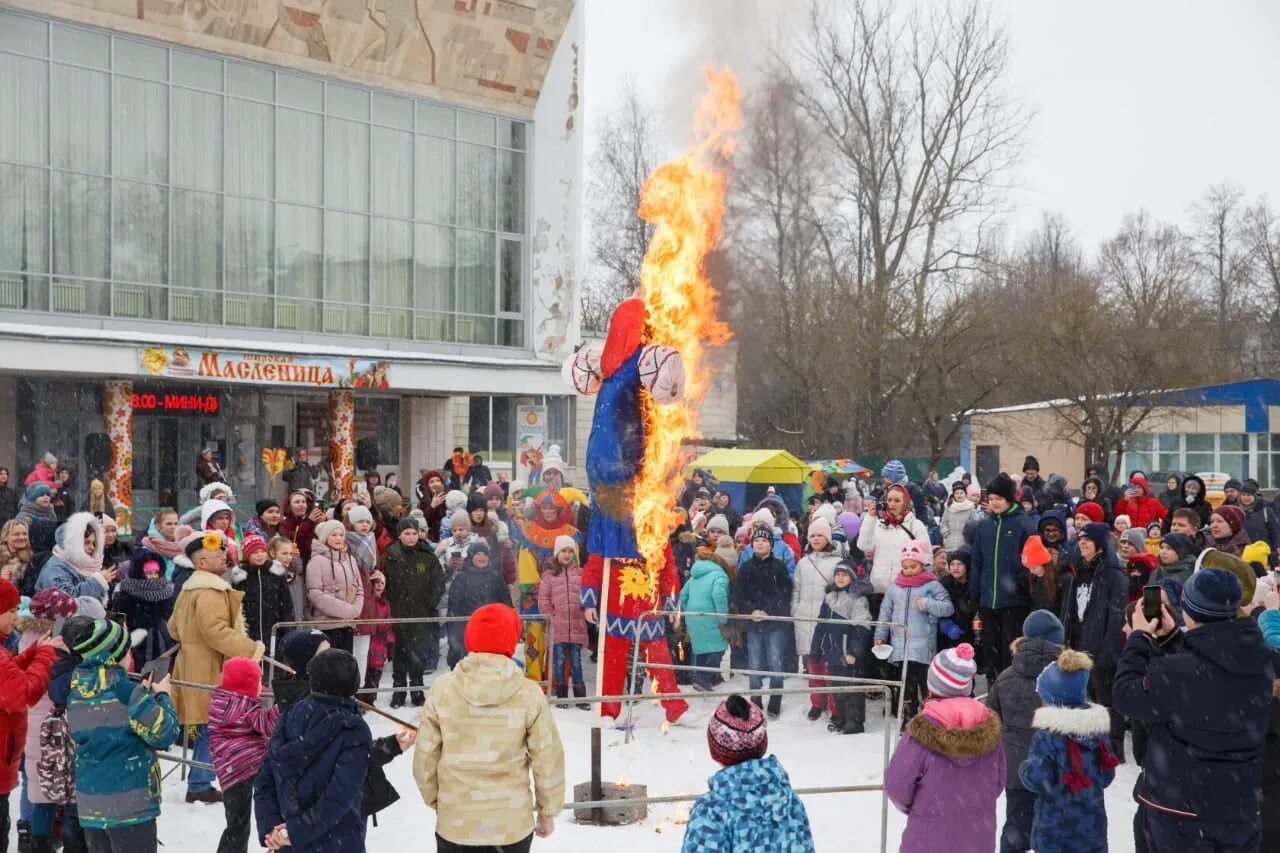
pixel 57 765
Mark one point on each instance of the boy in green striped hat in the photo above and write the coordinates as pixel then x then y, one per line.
pixel 117 727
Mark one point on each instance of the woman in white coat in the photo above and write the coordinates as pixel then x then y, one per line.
pixel 885 529
pixel 814 573
pixel 954 518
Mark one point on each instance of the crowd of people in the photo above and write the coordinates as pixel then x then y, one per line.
pixel 1034 587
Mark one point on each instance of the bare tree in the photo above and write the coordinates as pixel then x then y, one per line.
pixel 625 157
pixel 1222 251
pixel 1262 235
pixel 1149 268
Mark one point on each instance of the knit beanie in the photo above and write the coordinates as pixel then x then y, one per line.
pixel 894 471
pixel 1034 553
pixel 387 500
pixel 493 629
pixel 252 544
pixel 243 676
pixel 973 492
pixel 951 672
pixel 1211 595
pixel 1091 510
pixel 737 732
pixel 1044 625
pixel 843 567
pixel 265 504
pixel 1232 515
pixel 963 554
pixel 105 645
pixel 359 513
pixel 493 490
pixel 718 522
pixel 761 533
pixel 50 604
pixel 1182 544
pixel 404 524
pixel 1232 483
pixel 827 512
pixel 478 547
pixel 1257 552
pixel 325 529
pixel 763 518
pixel 1125 518
pixel 459 518
pixel 1066 680
pixel 1002 486
pixel 1135 537
pixel 820 526
pixel 299 647
pixel 1030 464
pixel 10 598
pixel 90 608
pixel 334 672
pixel 37 490
pixel 563 542
pixel 917 550
pixel 50 460
pixel 1099 534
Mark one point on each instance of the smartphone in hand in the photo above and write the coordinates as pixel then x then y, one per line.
pixel 1151 603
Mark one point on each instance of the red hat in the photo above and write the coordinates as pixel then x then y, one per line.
pixel 493 629
pixel 52 604
pixel 253 542
pixel 243 676
pixel 1034 553
pixel 1091 511
pixel 9 597
pixel 1232 515
pixel 737 732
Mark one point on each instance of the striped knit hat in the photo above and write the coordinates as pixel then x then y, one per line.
pixel 951 672
pixel 105 645
pixel 737 732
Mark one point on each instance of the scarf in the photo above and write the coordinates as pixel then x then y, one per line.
pixel 153 541
pixel 913 581
pixel 147 589
pixel 364 547
pixel 35 511
pixel 1076 779
pixel 83 563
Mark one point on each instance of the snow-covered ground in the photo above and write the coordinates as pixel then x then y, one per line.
pixel 672 763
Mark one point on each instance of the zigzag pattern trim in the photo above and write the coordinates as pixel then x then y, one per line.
pixel 624 627
pixel 589 598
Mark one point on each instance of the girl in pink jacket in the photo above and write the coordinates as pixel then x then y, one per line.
pixel 335 589
pixel 558 601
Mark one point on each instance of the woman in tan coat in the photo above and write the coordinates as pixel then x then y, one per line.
pixel 208 623
pixel 484 730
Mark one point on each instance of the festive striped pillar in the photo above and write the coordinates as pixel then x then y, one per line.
pixel 342 443
pixel 117 411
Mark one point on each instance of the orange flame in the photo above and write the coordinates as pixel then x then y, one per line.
pixel 685 199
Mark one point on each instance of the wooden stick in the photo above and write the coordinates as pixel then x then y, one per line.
pixel 363 704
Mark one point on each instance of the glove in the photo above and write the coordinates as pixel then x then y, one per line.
pixel 952 631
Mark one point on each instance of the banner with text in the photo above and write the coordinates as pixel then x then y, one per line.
pixel 263 368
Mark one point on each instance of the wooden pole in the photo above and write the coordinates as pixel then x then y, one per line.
pixel 363 704
pixel 602 621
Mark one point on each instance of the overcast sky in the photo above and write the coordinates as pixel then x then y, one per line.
pixel 1140 103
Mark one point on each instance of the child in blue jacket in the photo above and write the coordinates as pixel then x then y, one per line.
pixel 1069 764
pixel 309 790
pixel 844 647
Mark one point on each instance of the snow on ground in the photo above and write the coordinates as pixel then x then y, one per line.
pixel 677 762
pixel 673 763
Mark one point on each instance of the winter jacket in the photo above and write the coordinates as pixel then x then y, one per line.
pixel 301 532
pixel 42 473
pixel 1100 631
pixel 1014 698
pixel 954 518
pixel 883 543
pixel 1201 504
pixel 814 573
pixel 962 615
pixel 1233 545
pixel 383 636
pixel 209 623
pixel 946 775
pixel 471 589
pixel 921 641
pixel 312 778
pixel 997 577
pixel 24 678
pixel 832 642
pixel 763 584
pixel 1143 509
pixel 485 729
pixel 415 587
pixel 147 604
pixel 1181 570
pixel 61 571
pixel 334 587
pixel 378 791
pixel 267 599
pixel 707 591
pixel 117 727
pixel 1069 767
pixel 559 599
pixel 1207 710
pixel 749 806
pixel 239 728
pixel 1263 525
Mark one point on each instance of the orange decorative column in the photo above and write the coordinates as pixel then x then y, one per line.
pixel 117 411
pixel 342 443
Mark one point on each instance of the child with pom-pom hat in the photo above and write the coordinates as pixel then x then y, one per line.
pixel 1070 762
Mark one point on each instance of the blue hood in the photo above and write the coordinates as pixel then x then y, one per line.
pixel 310 728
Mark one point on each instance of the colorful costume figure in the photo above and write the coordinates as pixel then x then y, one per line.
pixel 536 539
pixel 620 374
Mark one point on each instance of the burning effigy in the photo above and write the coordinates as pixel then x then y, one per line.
pixel 649 378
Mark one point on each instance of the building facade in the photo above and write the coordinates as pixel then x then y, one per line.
pixel 285 224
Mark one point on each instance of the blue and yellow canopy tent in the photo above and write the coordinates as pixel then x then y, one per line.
pixel 747 475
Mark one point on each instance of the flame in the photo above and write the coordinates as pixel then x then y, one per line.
pixel 685 199
pixel 681 817
pixel 622 780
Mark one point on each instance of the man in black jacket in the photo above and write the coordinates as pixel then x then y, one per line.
pixel 763 588
pixel 1206 709
pixel 1260 519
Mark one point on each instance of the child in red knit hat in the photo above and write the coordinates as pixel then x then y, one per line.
pixel 239 728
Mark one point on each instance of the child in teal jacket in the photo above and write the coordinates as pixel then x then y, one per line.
pixel 707 591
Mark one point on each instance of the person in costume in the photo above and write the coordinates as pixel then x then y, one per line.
pixel 536 539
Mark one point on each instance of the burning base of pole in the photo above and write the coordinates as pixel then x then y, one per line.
pixel 622 814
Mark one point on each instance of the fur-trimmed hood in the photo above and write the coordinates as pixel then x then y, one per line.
pixel 207 580
pixel 210 508
pixel 70 542
pixel 956 742
pixel 27 622
pixel 1091 721
pixel 209 490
